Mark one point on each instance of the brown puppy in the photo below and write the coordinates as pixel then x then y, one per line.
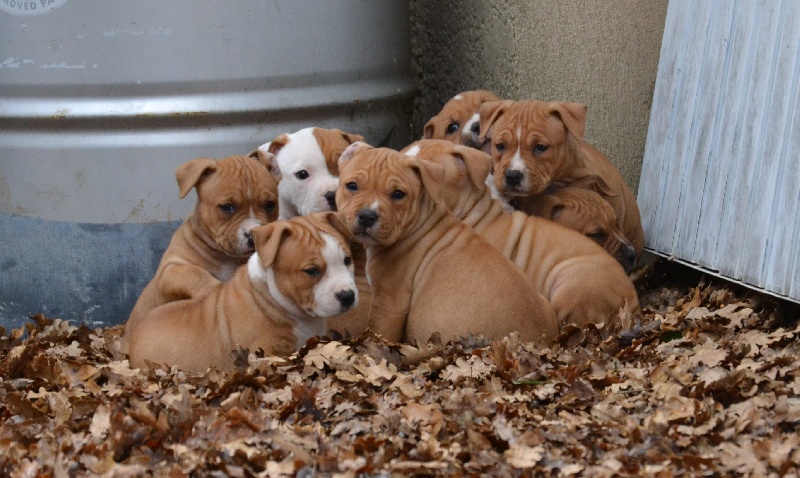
pixel 429 271
pixel 234 195
pixel 585 211
pixel 458 121
pixel 537 144
pixel 308 164
pixel 300 274
pixel 582 282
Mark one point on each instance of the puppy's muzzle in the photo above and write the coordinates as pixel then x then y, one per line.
pixel 330 196
pixel 513 178
pixel 367 218
pixel 249 236
pixel 346 298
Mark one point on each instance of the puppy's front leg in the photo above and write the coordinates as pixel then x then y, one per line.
pixel 185 281
pixel 389 311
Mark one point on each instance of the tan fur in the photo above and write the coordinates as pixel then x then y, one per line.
pixel 581 281
pixel 430 272
pixel 203 252
pixel 569 159
pixel 457 110
pixel 333 142
pixel 586 212
pixel 200 333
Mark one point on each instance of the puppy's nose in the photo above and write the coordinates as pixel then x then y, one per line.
pixel 346 298
pixel 367 218
pixel 330 196
pixel 628 259
pixel 513 177
pixel 249 237
pixel 476 127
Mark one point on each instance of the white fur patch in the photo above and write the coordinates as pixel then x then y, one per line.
pixel 245 227
pixel 338 277
pixel 467 129
pixel 299 197
pixel 259 274
pixel 413 151
pixel 458 97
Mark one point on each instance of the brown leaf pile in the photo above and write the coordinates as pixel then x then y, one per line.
pixel 706 383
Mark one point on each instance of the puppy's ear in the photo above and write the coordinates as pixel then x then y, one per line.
pixel 432 176
pixel 276 144
pixel 573 115
pixel 477 163
pixel 337 222
pixel 490 112
pixel 267 240
pixel 595 183
pixel 351 137
pixel 269 160
pixel 189 174
pixel 430 129
pixel 350 151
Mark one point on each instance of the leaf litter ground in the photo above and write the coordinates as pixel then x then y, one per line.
pixel 705 383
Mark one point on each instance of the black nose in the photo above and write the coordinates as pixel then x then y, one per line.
pixel 249 238
pixel 346 298
pixel 629 259
pixel 330 196
pixel 367 218
pixel 513 177
pixel 475 128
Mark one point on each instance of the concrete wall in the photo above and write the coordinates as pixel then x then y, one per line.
pixel 603 53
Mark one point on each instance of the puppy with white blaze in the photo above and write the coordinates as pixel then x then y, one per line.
pixel 307 162
pixel 300 275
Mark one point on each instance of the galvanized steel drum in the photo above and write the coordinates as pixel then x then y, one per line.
pixel 100 101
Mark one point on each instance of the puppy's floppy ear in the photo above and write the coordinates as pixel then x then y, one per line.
pixel 477 163
pixel 267 240
pixel 351 137
pixel 189 174
pixel 595 183
pixel 490 112
pixel 336 221
pixel 276 144
pixel 267 159
pixel 350 151
pixel 432 176
pixel 430 129
pixel 573 115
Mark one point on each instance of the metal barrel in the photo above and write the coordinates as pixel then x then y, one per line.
pixel 100 101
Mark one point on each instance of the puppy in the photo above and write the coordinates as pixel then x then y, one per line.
pixel 306 161
pixel 234 195
pixel 430 272
pixel 537 144
pixel 586 212
pixel 582 282
pixel 458 121
pixel 300 274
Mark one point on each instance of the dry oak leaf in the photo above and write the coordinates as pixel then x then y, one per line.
pixel 521 456
pixel 331 352
pixel 376 373
pixel 472 367
pixel 708 354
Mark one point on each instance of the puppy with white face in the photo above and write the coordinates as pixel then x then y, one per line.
pixel 234 196
pixel 536 145
pixel 459 119
pixel 300 274
pixel 430 272
pixel 306 161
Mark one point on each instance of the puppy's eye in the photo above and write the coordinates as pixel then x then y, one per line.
pixel 302 174
pixel 398 194
pixel 599 235
pixel 270 206
pixel 452 127
pixel 312 271
pixel 348 260
pixel 351 186
pixel 540 148
pixel 227 208
pixel 500 147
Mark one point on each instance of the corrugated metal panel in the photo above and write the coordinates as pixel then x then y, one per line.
pixel 720 184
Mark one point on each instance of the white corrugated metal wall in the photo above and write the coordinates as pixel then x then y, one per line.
pixel 720 184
